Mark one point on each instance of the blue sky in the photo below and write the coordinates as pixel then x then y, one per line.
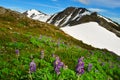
pixel 108 8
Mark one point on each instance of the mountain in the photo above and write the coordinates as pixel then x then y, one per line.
pixel 37 15
pixel 23 39
pixel 74 16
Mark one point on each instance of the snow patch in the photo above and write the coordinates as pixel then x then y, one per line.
pixel 42 18
pixel 95 35
pixel 67 19
pixel 86 13
pixel 51 18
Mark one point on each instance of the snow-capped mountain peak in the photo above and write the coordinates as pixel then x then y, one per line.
pixel 37 15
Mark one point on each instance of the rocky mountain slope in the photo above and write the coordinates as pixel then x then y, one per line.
pixel 69 16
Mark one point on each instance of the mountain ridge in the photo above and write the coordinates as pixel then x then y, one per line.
pixel 74 15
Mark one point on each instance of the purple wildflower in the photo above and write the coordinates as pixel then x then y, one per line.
pixel 57 65
pixel 57 70
pixel 17 52
pixel 80 59
pixel 80 66
pixel 89 67
pixel 32 66
pixel 60 65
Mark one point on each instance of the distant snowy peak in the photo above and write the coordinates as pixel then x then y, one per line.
pixel 37 15
pixel 68 15
pixel 32 12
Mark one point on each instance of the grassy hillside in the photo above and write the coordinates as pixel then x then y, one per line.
pixel 18 32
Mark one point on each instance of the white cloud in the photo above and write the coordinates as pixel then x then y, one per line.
pixel 97 10
pixel 44 5
pixel 105 3
pixel 84 1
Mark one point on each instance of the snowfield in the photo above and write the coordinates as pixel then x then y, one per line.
pixel 93 34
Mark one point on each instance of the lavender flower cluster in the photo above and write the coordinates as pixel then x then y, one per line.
pixel 80 66
pixel 32 66
pixel 58 65
pixel 17 52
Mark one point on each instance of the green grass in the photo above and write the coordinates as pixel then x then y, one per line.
pixel 13 68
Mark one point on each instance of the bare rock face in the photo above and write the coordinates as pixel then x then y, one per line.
pixel 70 14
